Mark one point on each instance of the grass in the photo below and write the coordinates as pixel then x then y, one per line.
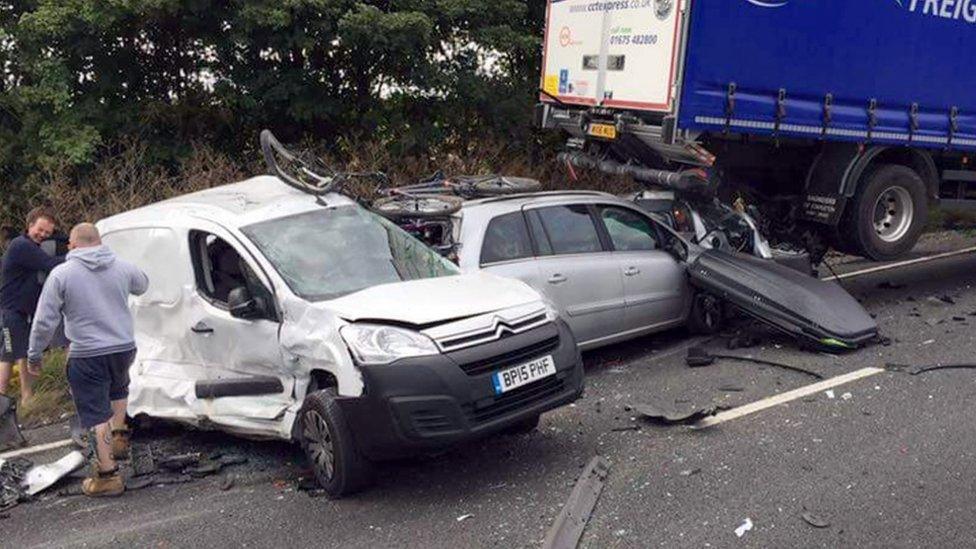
pixel 51 397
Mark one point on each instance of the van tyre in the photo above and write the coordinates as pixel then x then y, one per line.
pixel 707 314
pixel 325 438
pixel 887 214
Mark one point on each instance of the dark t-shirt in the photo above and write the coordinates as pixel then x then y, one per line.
pixel 22 263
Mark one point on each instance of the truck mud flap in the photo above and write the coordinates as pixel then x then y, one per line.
pixel 242 386
pixel 818 313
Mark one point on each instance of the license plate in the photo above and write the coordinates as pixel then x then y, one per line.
pixel 603 131
pixel 523 374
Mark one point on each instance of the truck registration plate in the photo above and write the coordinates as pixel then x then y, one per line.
pixel 603 131
pixel 523 374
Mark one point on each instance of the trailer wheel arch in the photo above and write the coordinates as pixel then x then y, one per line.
pixel 919 161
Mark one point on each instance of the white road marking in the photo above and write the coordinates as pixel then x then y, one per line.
pixel 906 263
pixel 788 396
pixel 37 449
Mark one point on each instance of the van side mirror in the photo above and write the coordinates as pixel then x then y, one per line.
pixel 243 305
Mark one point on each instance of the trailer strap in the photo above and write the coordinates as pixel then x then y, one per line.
pixel 827 114
pixel 872 117
pixel 729 107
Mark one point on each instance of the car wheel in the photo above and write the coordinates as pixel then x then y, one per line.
pixel 336 462
pixel 524 426
pixel 707 314
pixel 888 213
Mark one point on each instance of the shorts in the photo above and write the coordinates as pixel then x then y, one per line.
pixel 15 336
pixel 97 381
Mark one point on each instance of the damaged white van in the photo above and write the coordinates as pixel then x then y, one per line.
pixel 274 313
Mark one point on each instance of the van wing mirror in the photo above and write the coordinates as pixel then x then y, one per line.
pixel 243 305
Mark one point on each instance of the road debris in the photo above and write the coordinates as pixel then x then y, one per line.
pixel 565 533
pixel 830 393
pixel 626 428
pixel 659 414
pixel 918 370
pixel 815 521
pixel 743 528
pixel 846 396
pixel 42 477
pixel 887 285
pixel 463 518
pixel 10 436
pixel 690 472
pixel 699 357
pixel 12 474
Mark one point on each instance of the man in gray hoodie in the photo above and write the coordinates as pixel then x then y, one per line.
pixel 90 291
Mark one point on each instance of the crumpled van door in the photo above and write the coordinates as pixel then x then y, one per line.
pixel 246 377
pixel 819 313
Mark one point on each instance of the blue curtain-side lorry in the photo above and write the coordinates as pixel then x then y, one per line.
pixel 842 120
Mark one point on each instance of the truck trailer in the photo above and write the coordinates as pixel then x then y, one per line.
pixel 842 121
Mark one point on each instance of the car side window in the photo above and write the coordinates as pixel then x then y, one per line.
pixel 628 230
pixel 570 229
pixel 219 269
pixel 506 239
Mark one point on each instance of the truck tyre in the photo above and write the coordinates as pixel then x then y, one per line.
pixel 707 314
pixel 887 214
pixel 336 462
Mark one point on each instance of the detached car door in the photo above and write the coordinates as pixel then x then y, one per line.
pixel 577 271
pixel 656 286
pixel 246 376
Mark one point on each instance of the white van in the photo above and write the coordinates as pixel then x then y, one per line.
pixel 274 313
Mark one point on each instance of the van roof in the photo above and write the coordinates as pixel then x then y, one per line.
pixel 233 205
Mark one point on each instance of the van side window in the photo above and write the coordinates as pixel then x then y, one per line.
pixel 570 229
pixel 506 239
pixel 628 230
pixel 219 269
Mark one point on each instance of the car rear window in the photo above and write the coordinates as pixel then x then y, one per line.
pixel 570 230
pixel 506 239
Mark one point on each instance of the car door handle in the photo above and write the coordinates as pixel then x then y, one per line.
pixel 557 279
pixel 201 328
pixel 631 271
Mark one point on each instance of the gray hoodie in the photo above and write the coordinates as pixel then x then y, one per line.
pixel 91 291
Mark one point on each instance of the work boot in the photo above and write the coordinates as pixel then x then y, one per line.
pixel 103 484
pixel 120 444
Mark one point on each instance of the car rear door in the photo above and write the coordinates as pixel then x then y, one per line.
pixel 656 287
pixel 577 271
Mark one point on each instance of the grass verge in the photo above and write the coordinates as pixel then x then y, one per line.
pixel 51 397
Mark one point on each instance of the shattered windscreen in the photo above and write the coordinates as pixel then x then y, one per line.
pixel 328 253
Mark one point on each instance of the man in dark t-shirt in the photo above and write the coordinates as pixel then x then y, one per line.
pixel 23 264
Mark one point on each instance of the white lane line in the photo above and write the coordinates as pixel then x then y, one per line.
pixel 901 264
pixel 782 398
pixel 37 449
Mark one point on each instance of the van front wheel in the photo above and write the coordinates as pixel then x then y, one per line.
pixel 336 462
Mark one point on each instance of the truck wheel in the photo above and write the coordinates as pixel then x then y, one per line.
pixel 706 314
pixel 338 466
pixel 888 213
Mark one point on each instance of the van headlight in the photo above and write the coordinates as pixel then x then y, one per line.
pixel 378 344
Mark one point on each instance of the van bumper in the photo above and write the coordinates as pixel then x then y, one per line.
pixel 423 404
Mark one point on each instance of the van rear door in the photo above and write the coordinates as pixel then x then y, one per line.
pixel 614 53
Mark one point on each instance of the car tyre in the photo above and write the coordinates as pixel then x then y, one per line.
pixel 524 426
pixel 707 314
pixel 887 214
pixel 325 438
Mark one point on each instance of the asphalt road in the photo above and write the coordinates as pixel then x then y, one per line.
pixel 887 462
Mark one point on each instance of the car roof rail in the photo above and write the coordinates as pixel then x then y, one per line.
pixel 541 194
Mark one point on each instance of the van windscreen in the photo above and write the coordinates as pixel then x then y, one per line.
pixel 329 253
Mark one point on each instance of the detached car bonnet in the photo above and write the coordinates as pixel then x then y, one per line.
pixel 815 311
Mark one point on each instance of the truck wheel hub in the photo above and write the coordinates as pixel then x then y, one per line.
pixel 893 214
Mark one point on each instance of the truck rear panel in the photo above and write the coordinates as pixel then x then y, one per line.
pixel 616 53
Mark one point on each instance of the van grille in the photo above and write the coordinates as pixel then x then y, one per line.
pixel 515 400
pixel 499 330
pixel 511 358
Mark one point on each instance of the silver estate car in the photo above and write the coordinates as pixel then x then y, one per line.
pixel 612 270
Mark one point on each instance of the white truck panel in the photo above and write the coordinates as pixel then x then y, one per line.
pixel 615 53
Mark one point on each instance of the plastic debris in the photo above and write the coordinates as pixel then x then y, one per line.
pixel 12 473
pixel 463 518
pixel 815 521
pixel 566 531
pixel 743 528
pixel 660 414
pixel 698 357
pixel 846 396
pixel 42 477
pixel 829 393
pixel 690 472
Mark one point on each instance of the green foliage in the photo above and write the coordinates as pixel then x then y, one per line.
pixel 80 76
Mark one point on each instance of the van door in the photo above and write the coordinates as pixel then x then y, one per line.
pixel 655 285
pixel 578 271
pixel 243 359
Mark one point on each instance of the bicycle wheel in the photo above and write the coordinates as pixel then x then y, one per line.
pixel 292 170
pixel 493 185
pixel 419 207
